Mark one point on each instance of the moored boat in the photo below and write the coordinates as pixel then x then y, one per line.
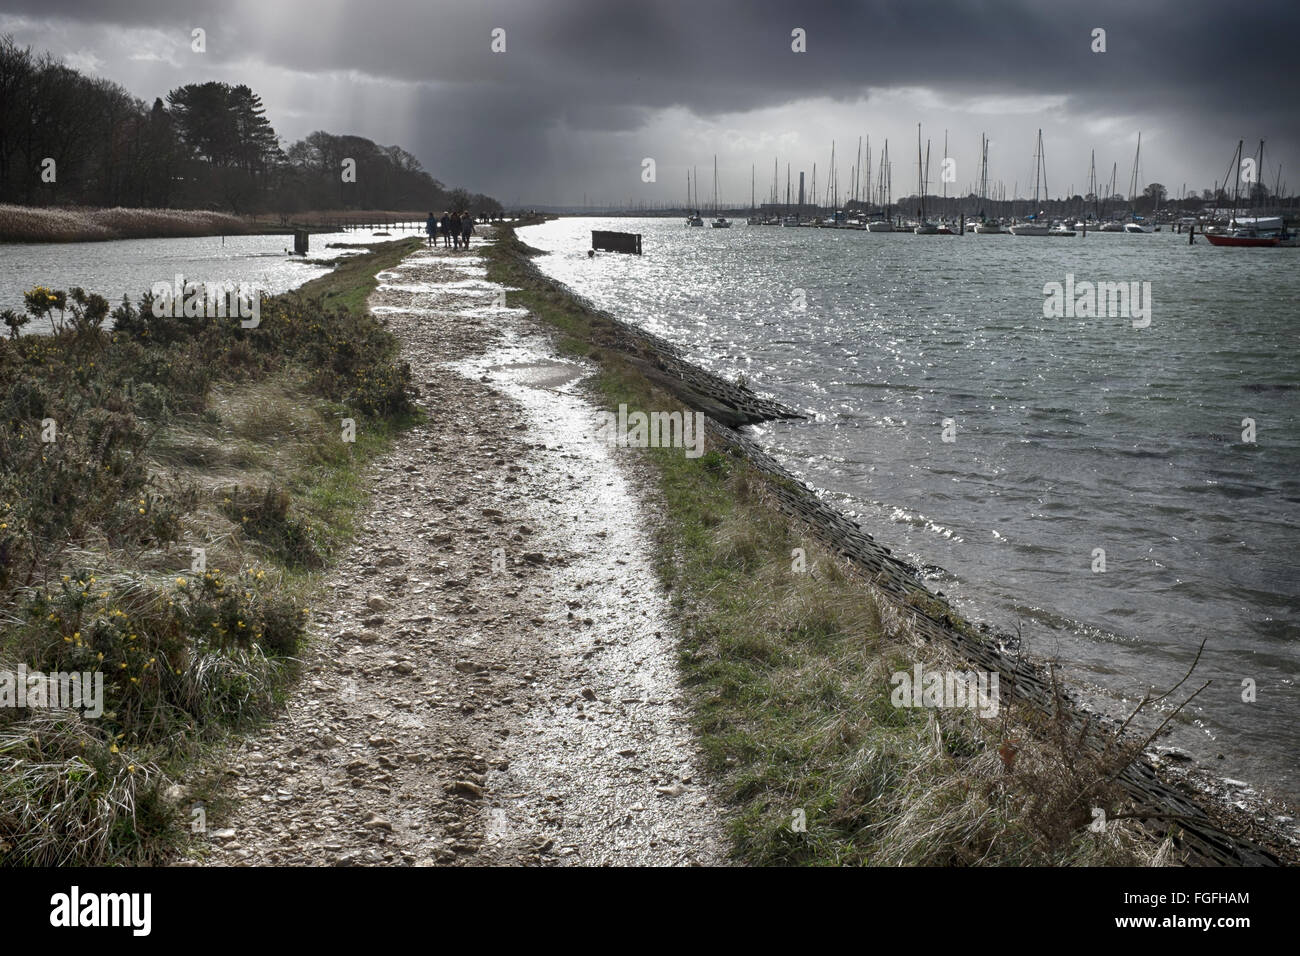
pixel 1030 229
pixel 720 221
pixel 923 227
pixel 1240 238
pixel 1034 227
pixel 1249 232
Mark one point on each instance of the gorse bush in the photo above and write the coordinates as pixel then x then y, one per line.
pixel 263 515
pixel 91 577
pixel 175 661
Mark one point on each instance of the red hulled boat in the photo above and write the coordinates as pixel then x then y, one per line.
pixel 1235 240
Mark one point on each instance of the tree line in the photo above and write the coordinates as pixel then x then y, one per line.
pixel 70 139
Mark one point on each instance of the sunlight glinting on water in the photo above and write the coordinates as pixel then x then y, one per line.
pixel 1071 434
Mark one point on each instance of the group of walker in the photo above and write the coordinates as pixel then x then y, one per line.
pixel 455 228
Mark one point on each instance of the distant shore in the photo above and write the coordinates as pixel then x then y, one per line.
pixel 24 224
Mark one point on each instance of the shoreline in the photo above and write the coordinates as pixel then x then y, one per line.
pixel 38 225
pixel 1221 823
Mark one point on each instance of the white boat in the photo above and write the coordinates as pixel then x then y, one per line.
pixel 1111 227
pixel 692 219
pixel 1030 229
pixel 983 226
pixel 1035 228
pixel 1061 229
pixel 721 221
pixel 1136 224
pixel 883 196
pixel 924 226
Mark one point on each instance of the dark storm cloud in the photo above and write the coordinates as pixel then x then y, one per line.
pixel 583 67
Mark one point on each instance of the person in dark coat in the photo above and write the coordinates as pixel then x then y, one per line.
pixel 466 228
pixel 455 229
pixel 431 230
pixel 446 230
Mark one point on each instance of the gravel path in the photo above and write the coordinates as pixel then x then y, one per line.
pixel 492 673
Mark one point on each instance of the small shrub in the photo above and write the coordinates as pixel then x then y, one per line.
pixel 263 516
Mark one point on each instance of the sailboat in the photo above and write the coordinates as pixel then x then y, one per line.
pixel 754 218
pixel 1111 225
pixel 719 221
pixel 692 218
pixel 1136 225
pixel 985 227
pixel 883 187
pixel 1250 234
pixel 944 228
pixel 1082 221
pixel 1035 228
pixel 923 226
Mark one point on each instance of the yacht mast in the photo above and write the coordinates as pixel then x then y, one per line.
pixel 857 173
pixel 943 209
pixel 1092 183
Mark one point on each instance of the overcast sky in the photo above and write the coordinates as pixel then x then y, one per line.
pixel 586 89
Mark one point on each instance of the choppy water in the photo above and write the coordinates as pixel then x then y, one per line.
pixel 132 266
pixel 1071 435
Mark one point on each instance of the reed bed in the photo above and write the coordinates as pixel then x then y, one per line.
pixel 83 224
